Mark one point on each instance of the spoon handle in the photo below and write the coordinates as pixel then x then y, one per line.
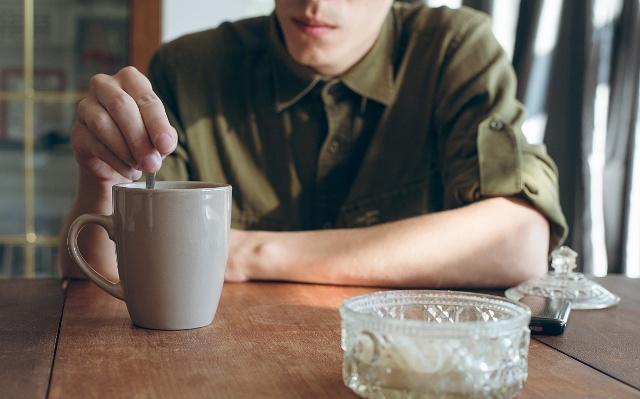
pixel 151 180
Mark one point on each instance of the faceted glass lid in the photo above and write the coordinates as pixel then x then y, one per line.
pixel 563 282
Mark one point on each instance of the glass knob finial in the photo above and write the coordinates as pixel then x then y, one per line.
pixel 563 260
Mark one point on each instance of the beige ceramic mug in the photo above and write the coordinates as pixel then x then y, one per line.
pixel 171 248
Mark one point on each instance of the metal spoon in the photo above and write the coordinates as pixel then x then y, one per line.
pixel 151 180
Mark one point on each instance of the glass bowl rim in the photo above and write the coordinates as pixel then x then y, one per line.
pixel 519 319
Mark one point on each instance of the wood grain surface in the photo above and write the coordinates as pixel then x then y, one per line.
pixel 607 339
pixel 269 340
pixel 30 312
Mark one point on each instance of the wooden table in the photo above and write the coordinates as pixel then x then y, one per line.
pixel 269 340
pixel 30 314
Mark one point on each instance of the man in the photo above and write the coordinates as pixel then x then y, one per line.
pixel 367 142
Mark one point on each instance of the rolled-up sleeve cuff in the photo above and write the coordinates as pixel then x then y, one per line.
pixel 509 166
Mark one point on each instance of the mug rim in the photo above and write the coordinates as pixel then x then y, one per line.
pixel 181 186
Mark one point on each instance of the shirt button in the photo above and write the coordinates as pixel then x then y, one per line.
pixel 496 124
pixel 334 90
pixel 304 116
pixel 334 146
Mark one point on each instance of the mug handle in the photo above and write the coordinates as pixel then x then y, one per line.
pixel 115 289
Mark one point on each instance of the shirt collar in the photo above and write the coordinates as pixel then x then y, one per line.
pixel 372 77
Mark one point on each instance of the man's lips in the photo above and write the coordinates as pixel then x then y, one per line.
pixel 312 27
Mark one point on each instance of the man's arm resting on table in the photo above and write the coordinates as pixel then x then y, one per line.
pixel 496 242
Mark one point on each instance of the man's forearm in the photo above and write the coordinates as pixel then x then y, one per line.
pixel 94 243
pixel 493 243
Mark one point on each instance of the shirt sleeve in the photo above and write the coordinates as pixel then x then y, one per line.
pixel 482 151
pixel 175 165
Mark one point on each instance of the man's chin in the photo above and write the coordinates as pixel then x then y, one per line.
pixel 316 62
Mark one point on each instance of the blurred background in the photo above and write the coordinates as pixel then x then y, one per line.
pixel 577 64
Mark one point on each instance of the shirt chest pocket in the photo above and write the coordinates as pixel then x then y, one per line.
pixel 386 205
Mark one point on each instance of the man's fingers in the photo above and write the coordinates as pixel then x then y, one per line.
pixel 161 133
pixel 103 128
pixel 108 157
pixel 88 147
pixel 126 115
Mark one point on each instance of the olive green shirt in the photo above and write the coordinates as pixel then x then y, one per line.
pixel 426 121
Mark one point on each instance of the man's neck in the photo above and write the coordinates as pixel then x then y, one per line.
pixel 343 65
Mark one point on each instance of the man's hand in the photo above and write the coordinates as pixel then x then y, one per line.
pixel 121 129
pixel 242 248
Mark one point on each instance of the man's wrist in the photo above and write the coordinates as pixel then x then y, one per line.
pixel 260 256
pixel 93 195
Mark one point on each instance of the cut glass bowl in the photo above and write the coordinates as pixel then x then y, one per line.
pixel 434 344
